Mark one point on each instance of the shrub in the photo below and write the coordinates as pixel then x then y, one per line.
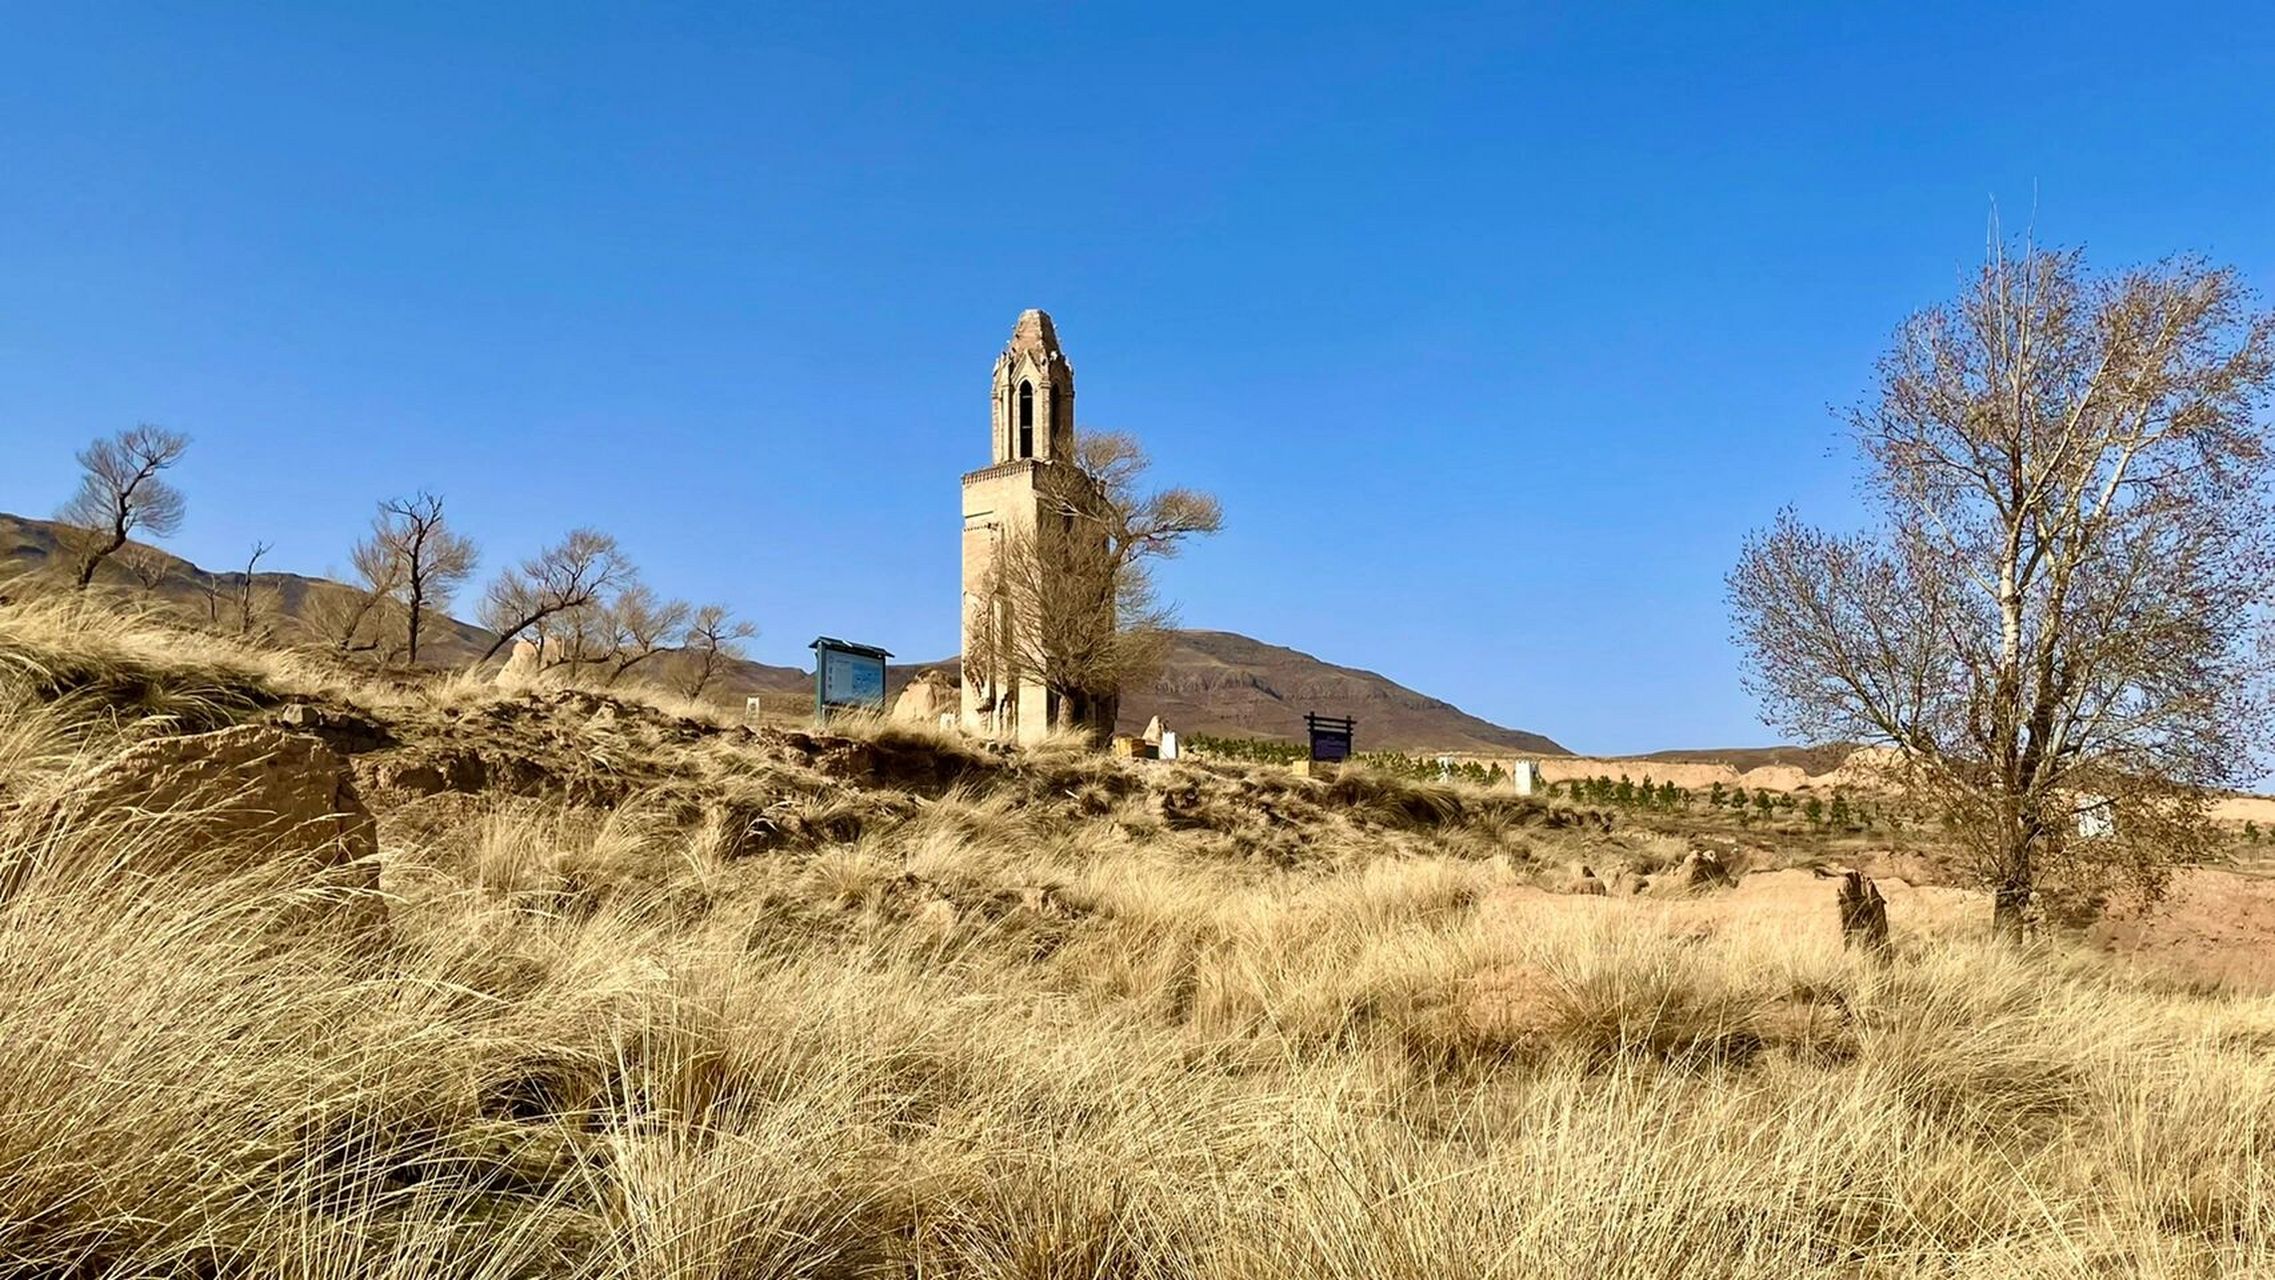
pixel 1246 750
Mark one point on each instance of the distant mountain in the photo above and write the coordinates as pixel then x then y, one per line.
pixel 1215 682
pixel 1223 683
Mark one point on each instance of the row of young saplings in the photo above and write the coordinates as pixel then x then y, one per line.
pixel 1834 813
pixel 1269 751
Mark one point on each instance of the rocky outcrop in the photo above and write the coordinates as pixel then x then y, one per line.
pixel 1625 883
pixel 430 771
pixel 566 743
pixel 250 794
pixel 925 699
pixel 1699 869
pixel 345 729
pixel 521 668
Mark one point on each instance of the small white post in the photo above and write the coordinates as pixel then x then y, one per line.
pixel 1527 775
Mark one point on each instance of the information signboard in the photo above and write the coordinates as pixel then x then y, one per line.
pixel 847 675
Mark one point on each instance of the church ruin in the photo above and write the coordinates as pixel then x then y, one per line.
pixel 1031 503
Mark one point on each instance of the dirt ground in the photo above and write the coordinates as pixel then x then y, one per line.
pixel 2214 928
pixel 1790 909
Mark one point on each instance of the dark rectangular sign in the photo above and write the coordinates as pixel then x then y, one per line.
pixel 1330 736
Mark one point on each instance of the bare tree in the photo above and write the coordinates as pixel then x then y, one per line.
pixel 574 639
pixel 637 626
pixel 148 566
pixel 714 638
pixel 2058 614
pixel 236 590
pixel 245 592
pixel 122 492
pixel 1069 603
pixel 565 578
pixel 211 587
pixel 353 622
pixel 1139 526
pixel 431 561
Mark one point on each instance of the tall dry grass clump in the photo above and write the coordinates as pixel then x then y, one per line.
pixel 1052 1017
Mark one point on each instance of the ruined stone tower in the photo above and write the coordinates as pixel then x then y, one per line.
pixel 1026 491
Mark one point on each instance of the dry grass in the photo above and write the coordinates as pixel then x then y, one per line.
pixel 1055 1017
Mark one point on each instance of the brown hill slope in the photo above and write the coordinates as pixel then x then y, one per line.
pixel 1216 682
pixel 1223 683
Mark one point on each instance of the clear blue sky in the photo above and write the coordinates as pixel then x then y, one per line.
pixel 1495 328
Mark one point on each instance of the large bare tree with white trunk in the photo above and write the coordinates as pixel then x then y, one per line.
pixel 2058 613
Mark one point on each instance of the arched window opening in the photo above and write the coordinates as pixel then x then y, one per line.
pixel 1026 419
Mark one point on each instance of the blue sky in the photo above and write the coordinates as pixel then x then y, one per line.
pixel 1495 327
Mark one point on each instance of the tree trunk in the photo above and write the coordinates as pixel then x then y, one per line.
pixel 1066 709
pixel 2010 911
pixel 96 557
pixel 1091 714
pixel 2017 884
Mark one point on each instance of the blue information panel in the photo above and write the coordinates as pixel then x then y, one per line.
pixel 852 679
pixel 848 676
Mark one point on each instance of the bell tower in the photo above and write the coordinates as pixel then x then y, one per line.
pixel 1032 475
pixel 1034 394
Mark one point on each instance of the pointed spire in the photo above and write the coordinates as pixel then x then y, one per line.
pixel 1034 332
pixel 1033 393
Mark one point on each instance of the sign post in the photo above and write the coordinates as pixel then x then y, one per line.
pixel 847 676
pixel 1330 736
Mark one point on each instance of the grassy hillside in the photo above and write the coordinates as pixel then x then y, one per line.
pixel 655 996
pixel 32 546
pixel 1215 682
